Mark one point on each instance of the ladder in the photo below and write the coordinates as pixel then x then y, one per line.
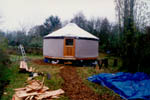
pixel 23 52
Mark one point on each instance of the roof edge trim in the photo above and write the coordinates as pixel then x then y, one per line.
pixel 71 37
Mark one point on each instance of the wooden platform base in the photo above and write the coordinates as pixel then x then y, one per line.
pixel 71 58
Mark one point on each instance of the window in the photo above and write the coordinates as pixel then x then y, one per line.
pixel 69 42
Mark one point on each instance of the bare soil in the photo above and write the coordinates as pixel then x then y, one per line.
pixel 73 85
pixel 41 62
pixel 75 89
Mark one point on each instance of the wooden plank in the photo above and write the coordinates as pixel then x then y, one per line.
pixel 50 94
pixel 74 44
pixel 16 98
pixel 23 65
pixel 64 47
pixel 19 89
pixel 88 58
pixel 22 94
pixel 72 58
pixel 36 90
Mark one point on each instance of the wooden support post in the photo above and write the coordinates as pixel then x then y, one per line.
pixel 115 62
pixel 106 62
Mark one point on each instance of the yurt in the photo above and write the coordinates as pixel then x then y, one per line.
pixel 70 43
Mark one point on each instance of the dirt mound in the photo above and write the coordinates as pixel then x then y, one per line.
pixel 75 89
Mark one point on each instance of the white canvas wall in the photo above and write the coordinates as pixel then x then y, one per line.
pixel 86 48
pixel 53 47
pixel 83 48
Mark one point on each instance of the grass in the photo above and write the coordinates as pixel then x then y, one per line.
pixel 85 72
pixel 56 81
pixel 18 80
pixel 110 58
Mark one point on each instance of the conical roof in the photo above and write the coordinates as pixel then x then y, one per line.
pixel 71 30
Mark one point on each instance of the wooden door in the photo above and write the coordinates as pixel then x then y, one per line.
pixel 69 47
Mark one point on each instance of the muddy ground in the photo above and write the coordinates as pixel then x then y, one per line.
pixel 77 90
pixel 74 87
pixel 41 62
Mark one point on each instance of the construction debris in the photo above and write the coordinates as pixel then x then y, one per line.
pixel 23 65
pixel 31 69
pixel 35 90
pixel 24 69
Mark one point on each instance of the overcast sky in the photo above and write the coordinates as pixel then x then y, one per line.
pixel 26 13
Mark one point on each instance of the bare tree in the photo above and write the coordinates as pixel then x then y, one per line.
pixel 132 18
pixel 132 12
pixel 80 20
pixel 142 14
pixel 52 23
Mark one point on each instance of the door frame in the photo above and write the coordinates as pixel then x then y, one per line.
pixel 73 46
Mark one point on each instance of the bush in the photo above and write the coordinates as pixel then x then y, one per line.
pixel 4 63
pixel 144 53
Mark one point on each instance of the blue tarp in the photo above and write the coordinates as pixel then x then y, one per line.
pixel 127 85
